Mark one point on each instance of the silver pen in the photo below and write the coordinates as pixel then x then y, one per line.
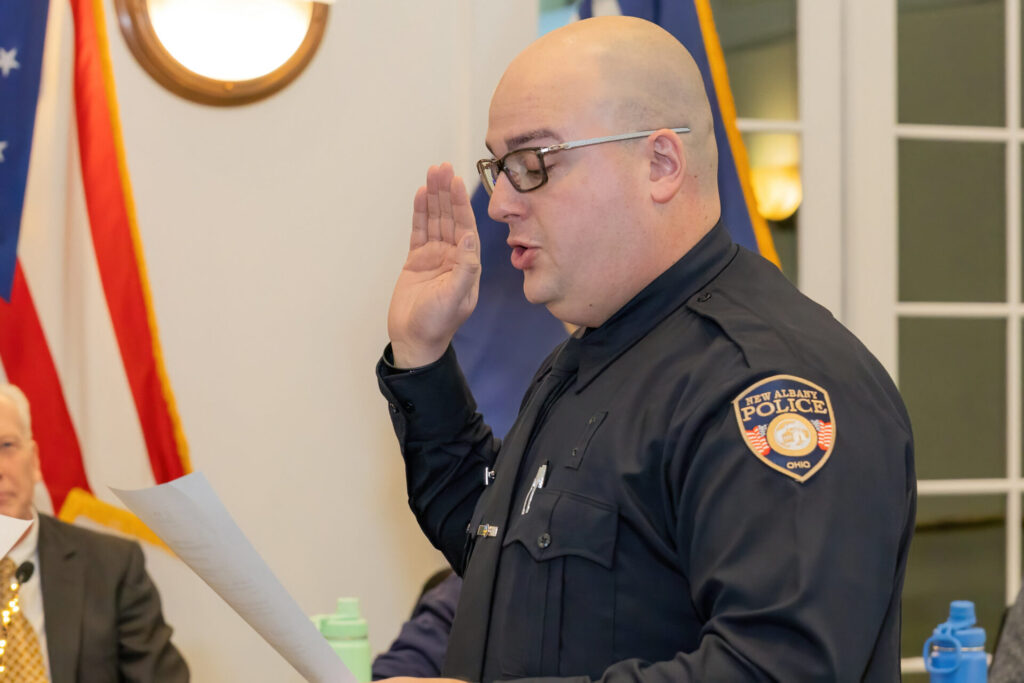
pixel 538 483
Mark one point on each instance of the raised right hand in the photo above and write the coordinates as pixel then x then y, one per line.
pixel 440 281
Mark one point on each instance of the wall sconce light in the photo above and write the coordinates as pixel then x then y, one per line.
pixel 222 52
pixel 777 190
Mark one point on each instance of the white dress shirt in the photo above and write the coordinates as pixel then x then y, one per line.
pixel 30 595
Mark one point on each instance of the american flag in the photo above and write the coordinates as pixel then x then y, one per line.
pixel 824 430
pixel 77 329
pixel 755 437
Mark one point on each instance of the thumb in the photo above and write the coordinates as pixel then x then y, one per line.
pixel 467 263
pixel 468 256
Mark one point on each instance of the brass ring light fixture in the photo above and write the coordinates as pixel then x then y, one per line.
pixel 138 25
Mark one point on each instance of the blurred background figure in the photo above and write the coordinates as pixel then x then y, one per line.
pixel 420 646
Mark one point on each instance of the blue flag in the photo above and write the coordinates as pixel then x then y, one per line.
pixel 503 343
pixel 22 32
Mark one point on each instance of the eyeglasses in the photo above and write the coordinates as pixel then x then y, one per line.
pixel 525 167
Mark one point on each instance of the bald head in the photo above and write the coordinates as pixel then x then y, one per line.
pixel 610 217
pixel 624 74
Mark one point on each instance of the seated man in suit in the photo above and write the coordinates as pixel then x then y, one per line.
pixel 89 612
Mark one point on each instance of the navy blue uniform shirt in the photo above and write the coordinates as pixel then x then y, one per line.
pixel 722 490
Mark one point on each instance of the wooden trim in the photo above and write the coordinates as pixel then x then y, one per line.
pixel 137 28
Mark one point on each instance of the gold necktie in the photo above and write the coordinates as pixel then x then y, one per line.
pixel 22 660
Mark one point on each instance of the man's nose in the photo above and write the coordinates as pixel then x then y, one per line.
pixel 506 202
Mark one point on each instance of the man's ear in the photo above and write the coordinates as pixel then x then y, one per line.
pixel 668 164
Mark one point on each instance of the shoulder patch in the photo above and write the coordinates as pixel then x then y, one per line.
pixel 787 422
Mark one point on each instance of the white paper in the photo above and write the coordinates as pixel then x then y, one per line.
pixel 189 517
pixel 11 529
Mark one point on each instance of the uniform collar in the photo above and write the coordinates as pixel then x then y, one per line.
pixel 670 290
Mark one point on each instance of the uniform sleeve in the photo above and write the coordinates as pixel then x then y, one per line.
pixel 145 651
pixel 793 581
pixel 798 580
pixel 445 444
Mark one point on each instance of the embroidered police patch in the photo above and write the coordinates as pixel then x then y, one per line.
pixel 787 422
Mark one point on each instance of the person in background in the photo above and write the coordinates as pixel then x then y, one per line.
pixel 712 479
pixel 1008 653
pixel 421 643
pixel 89 612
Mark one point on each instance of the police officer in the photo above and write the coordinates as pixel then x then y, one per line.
pixel 711 480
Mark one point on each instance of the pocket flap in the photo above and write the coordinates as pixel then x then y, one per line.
pixel 560 523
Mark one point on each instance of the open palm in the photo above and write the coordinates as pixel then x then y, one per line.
pixel 440 281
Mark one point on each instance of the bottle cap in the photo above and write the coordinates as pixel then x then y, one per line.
pixel 971 637
pixel 961 613
pixel 345 623
pixel 347 608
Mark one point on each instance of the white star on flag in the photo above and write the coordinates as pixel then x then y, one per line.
pixel 3 146
pixel 8 61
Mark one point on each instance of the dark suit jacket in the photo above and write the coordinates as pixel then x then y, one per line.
pixel 104 623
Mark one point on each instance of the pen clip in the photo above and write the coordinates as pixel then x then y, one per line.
pixel 538 483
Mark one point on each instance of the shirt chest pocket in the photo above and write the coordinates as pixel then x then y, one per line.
pixel 560 523
pixel 557 589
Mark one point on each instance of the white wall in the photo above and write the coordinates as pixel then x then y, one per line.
pixel 273 233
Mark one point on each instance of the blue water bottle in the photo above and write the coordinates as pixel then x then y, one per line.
pixel 955 653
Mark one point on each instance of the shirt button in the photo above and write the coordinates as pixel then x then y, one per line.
pixel 393 408
pixel 409 406
pixel 544 540
pixel 704 297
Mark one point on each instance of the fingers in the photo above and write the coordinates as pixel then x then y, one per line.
pixel 462 210
pixel 444 195
pixel 433 204
pixel 419 219
pixel 440 223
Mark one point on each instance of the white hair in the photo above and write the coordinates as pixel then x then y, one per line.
pixel 17 397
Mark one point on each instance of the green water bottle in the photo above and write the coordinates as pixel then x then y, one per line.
pixel 346 631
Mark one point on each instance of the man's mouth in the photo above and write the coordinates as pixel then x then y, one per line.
pixel 523 256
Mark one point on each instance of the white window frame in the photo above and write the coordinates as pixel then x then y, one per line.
pixel 819 232
pixel 870 298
